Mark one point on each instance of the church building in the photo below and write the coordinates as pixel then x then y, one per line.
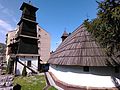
pixel 80 63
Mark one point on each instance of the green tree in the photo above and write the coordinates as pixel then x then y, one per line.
pixel 9 68
pixel 24 72
pixel 106 27
pixel 0 46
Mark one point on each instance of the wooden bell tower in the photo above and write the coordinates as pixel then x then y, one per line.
pixel 27 33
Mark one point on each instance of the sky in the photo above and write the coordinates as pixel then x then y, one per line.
pixel 54 16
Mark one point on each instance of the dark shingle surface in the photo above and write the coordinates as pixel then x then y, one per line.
pixel 79 49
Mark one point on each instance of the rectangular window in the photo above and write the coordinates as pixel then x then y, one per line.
pixel 29 63
pixel 86 68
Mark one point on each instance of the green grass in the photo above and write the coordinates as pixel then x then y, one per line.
pixel 52 88
pixel 31 83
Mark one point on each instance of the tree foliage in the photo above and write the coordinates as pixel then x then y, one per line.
pixel 9 67
pixel 0 46
pixel 24 72
pixel 106 27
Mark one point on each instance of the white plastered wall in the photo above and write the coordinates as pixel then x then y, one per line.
pixel 96 77
pixel 34 64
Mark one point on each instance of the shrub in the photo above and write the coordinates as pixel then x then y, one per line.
pixel 9 67
pixel 24 72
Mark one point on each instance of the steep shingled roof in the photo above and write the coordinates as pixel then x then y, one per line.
pixel 79 49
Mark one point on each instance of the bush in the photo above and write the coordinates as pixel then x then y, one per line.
pixel 9 67
pixel 24 72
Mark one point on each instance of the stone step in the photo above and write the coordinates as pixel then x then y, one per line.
pixel 6 81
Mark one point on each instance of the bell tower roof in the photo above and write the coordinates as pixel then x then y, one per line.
pixel 28 5
pixel 64 36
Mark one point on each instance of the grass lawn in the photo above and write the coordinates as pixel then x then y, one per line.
pixel 31 83
pixel 52 88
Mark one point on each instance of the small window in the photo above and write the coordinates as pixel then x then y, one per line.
pixel 39 35
pixel 39 42
pixel 86 69
pixel 116 69
pixel 29 63
pixel 1 58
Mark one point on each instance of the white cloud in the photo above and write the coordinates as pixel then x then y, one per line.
pixel 9 13
pixel 6 26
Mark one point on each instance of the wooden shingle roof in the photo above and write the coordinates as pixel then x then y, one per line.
pixel 79 49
